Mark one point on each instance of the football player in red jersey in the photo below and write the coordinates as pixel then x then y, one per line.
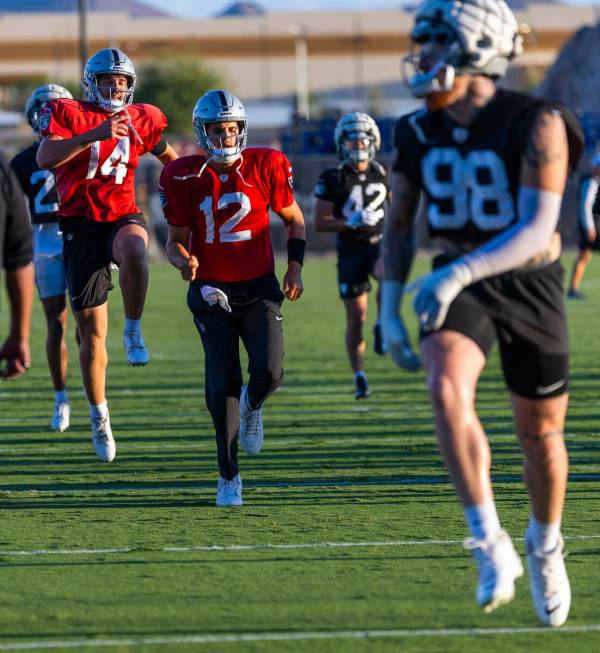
pixel 94 147
pixel 492 166
pixel 217 207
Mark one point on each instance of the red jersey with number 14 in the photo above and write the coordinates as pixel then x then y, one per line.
pixel 98 183
pixel 228 213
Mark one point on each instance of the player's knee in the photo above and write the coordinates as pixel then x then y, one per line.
pixel 448 393
pixel 132 250
pixel 266 381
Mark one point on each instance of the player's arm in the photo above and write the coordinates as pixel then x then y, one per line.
pixel 589 189
pixel 296 244
pixel 397 252
pixel 532 240
pixel 177 252
pixel 55 150
pixel 168 155
pixel 324 219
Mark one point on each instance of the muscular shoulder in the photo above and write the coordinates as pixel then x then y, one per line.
pixel 264 156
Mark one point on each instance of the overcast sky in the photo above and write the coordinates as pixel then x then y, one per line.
pixel 203 8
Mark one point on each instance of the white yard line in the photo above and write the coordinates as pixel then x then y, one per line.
pixel 256 547
pixel 290 636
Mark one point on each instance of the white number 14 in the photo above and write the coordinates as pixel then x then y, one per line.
pixel 119 156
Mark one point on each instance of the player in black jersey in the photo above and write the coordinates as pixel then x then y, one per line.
pixel 40 188
pixel 492 166
pixel 352 201
pixel 589 220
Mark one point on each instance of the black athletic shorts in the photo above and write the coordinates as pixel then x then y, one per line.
pixel 525 312
pixel 584 243
pixel 355 265
pixel 87 253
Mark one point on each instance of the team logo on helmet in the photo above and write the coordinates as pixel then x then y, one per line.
pixel 36 101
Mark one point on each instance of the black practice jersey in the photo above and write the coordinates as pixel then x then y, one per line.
pixel 470 175
pixel 352 191
pixel 15 228
pixel 38 185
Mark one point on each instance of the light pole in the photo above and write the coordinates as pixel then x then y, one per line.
pixel 301 60
pixel 83 41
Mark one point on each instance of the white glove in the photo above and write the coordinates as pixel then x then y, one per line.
pixel 214 295
pixel 395 335
pixel 436 291
pixel 371 218
pixel 396 340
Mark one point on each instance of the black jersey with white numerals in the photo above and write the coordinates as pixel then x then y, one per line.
pixel 38 185
pixel 470 174
pixel 351 191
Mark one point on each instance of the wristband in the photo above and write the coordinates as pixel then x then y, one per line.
pixel 295 248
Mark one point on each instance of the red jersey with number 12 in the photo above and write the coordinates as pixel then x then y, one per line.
pixel 228 213
pixel 98 183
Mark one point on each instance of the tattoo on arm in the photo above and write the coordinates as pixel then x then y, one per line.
pixel 542 150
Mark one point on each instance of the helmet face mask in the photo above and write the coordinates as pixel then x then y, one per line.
pixel 352 129
pixel 36 100
pixel 109 61
pixel 220 106
pixel 469 37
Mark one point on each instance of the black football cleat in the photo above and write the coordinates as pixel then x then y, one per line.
pixel 361 388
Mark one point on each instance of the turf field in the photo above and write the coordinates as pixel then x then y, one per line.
pixel 350 536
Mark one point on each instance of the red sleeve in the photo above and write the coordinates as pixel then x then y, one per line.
pixel 158 124
pixel 54 120
pixel 281 182
pixel 172 197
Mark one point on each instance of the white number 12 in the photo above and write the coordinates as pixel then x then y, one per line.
pixel 226 235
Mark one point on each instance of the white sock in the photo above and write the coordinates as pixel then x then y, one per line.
pixel 543 537
pixel 61 397
pixel 133 326
pixel 100 410
pixel 482 520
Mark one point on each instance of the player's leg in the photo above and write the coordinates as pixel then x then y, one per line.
pixel 376 271
pixel 51 285
pixel 261 331
pixel 356 315
pixel 353 282
pixel 128 250
pixel 579 266
pixel 88 277
pixel 223 380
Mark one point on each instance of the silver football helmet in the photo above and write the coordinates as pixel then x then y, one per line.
pixel 474 36
pixel 37 99
pixel 220 106
pixel 109 61
pixel 356 126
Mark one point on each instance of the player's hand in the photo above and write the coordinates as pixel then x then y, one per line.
pixel 354 220
pixel 370 218
pixel 292 281
pixel 16 354
pixel 591 235
pixel 436 291
pixel 116 126
pixel 398 345
pixel 188 268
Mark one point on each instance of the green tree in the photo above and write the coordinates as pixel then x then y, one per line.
pixel 174 86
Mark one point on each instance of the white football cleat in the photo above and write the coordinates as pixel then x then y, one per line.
pixel 102 438
pixel 550 588
pixel 62 416
pixel 251 425
pixel 499 567
pixel 229 493
pixel 137 354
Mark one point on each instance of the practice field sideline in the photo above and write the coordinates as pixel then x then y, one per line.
pixel 350 536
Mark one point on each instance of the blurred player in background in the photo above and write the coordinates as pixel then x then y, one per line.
pixel 352 202
pixel 588 226
pixel 94 147
pixel 16 254
pixel 492 165
pixel 40 188
pixel 217 207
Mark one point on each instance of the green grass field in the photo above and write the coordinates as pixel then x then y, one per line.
pixel 350 536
